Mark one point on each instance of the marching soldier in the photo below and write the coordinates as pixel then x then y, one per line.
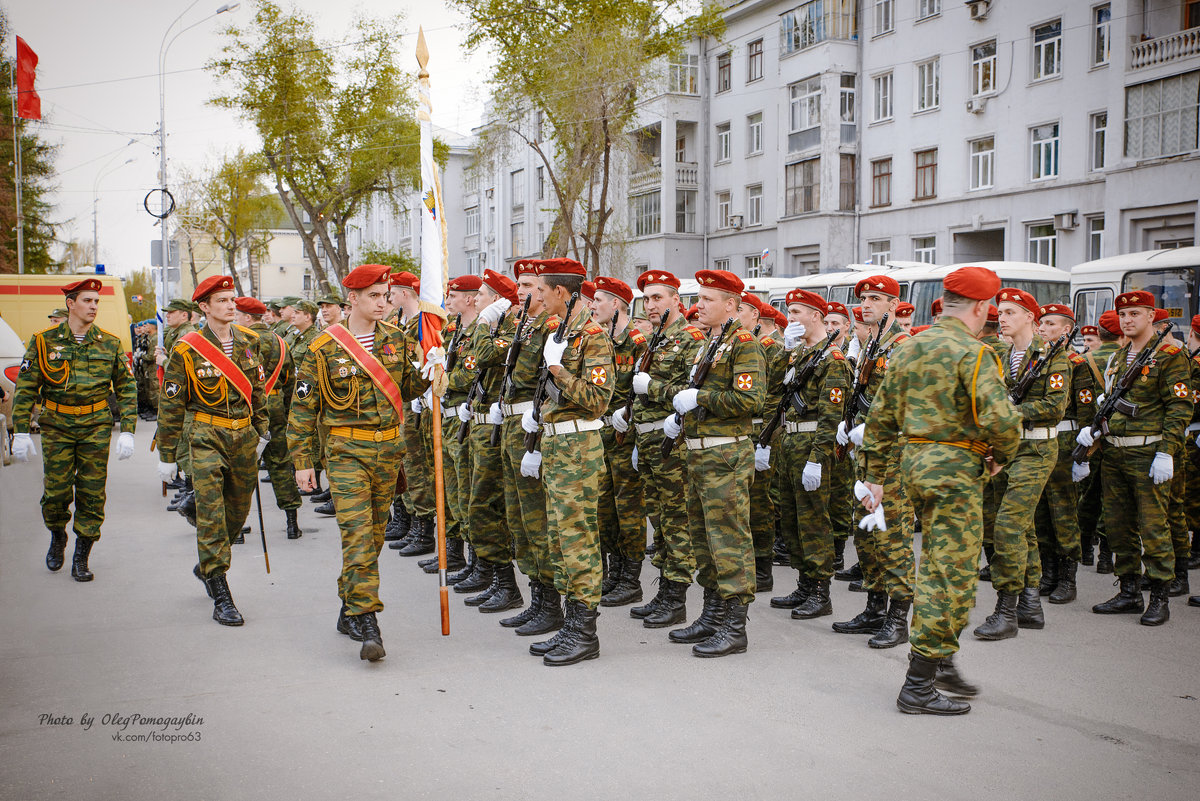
pixel 1091 526
pixel 70 369
pixel 1192 447
pixel 178 316
pixel 213 389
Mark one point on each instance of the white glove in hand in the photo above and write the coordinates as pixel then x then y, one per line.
pixel 415 405
pixel 792 335
pixel 464 412
pixel 811 477
pixel 634 459
pixel 22 447
pixel 495 415
pixel 874 521
pixel 1080 471
pixel 1085 437
pixel 671 428
pixel 167 471
pixel 790 375
pixel 528 424
pixel 427 398
pixel 762 458
pixel 1162 469
pixel 124 446
pixel 531 464
pixel 552 351
pixel 263 442
pixel 494 311
pixel 854 348
pixel 641 383
pixel 857 433
pixel 619 421
pixel 841 436
pixel 433 359
pixel 686 400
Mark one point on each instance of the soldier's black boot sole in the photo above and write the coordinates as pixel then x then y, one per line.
pixel 372 640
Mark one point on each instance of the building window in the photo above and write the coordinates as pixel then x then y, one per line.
pixel 754 204
pixel 929 84
pixel 983 163
pixel 1044 151
pixel 754 60
pixel 847 197
pixel 885 16
pixel 646 213
pixel 1042 244
pixel 1161 116
pixel 517 236
pixel 685 211
pixel 846 100
pixel 680 149
pixel 539 119
pixel 806 104
pixel 754 266
pixel 721 264
pixel 724 210
pixel 925 249
pixel 541 181
pixel 802 182
pixel 928 8
pixel 306 280
pixel 1099 128
pixel 541 237
pixel 723 148
pixel 684 75
pixel 473 263
pixel 881 182
pixel 882 106
pixel 1047 50
pixel 473 221
pixel 802 27
pixel 926 174
pixel 1095 229
pixel 724 72
pixel 983 68
pixel 1191 14
pixel 517 186
pixel 754 134
pixel 1101 34
pixel 879 251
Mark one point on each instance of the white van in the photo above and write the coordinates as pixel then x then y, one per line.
pixel 1172 275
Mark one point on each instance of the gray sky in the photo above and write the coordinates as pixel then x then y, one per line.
pixel 98 80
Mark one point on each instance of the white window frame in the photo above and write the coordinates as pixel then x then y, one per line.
pixel 645 213
pixel 754 204
pixel 812 189
pixel 472 222
pixel 928 8
pixel 724 142
pixel 685 211
pixel 724 208
pixel 1044 152
pixel 721 264
pixel 883 97
pixel 516 185
pixel 684 75
pixel 982 170
pixel 847 99
pixel 516 235
pixel 754 266
pixel 1101 35
pixel 1097 140
pixel 755 61
pixel 928 85
pixel 885 16
pixel 1095 237
pixel 1047 53
pixel 804 105
pixel 879 251
pixel 724 64
pixel 1041 247
pixel 925 249
pixel 983 69
pixel 754 133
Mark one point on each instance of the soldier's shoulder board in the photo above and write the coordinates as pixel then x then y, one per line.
pixel 320 340
pixel 768 341
pixel 1170 350
pixel 745 336
pixel 107 334
pixel 900 338
pixel 45 331
pixel 552 324
pixel 388 326
pixel 250 332
pixel 593 329
pixel 1075 357
pixel 696 333
pixel 638 338
pixel 837 354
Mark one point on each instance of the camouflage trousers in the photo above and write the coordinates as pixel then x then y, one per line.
pixel 1056 521
pixel 1017 563
pixel 891 567
pixel 456 477
pixel 763 511
pixel 666 488
pixel 944 485
pixel 622 507
pixel 1091 502
pixel 486 519
pixel 571 467
pixel 842 502
pixel 525 507
pixel 362 480
pixel 1135 514
pixel 224 479
pixel 718 505
pixel 1181 542
pixel 277 458
pixel 804 515
pixel 1192 494
pixel 75 469
pixel 418 464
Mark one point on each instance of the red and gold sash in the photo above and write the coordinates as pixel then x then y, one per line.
pixel 196 341
pixel 370 365
pixel 270 385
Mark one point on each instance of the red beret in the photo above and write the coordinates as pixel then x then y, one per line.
pixel 722 280
pixel 588 290
pixel 1089 331
pixel 1060 309
pixel 657 277
pixel 614 286
pixel 810 299
pixel 993 313
pixel 877 283
pixel 1161 314
pixel 86 285
pixel 250 305
pixel 214 283
pixel 975 283
pixel 935 308
pixel 561 267
pixel 905 309
pixel 502 285
pixel 525 267
pixel 1021 298
pixel 781 319
pixel 1138 298
pixel 1110 322
pixel 1196 325
pixel 405 279
pixel 751 299
pixel 692 312
pixel 837 308
pixel 365 275
pixel 858 318
pixel 464 283
pixel 916 329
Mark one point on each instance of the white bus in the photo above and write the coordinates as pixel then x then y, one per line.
pixel 1173 276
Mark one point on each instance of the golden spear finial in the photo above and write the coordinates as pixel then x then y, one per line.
pixel 422 52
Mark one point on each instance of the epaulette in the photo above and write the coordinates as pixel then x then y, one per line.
pixel 107 333
pixel 1170 350
pixel 593 329
pixel 900 338
pixel 837 355
pixel 451 328
pixel 45 330
pixel 745 336
pixel 638 338
pixel 552 324
pixel 696 333
pixel 1075 358
pixel 246 330
pixel 768 341
pixel 321 339
pixel 386 324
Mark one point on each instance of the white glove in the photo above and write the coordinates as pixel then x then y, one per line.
pixel 495 415
pixel 494 311
pixel 634 459
pixel 22 447
pixel 857 433
pixel 762 458
pixel 1198 440
pixel 552 351
pixel 874 521
pixel 811 478
pixel 1080 471
pixel 686 400
pixel 789 376
pixel 528 424
pixel 263 442
pixel 1085 437
pixel 841 436
pixel 531 464
pixel 415 405
pixel 619 421
pixel 1100 400
pixel 641 383
pixel 671 428
pixel 124 446
pixel 427 398
pixel 436 357
pixel 464 412
pixel 854 348
pixel 167 471
pixel 1162 469
pixel 792 335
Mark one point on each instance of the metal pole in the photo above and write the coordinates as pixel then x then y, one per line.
pixel 12 82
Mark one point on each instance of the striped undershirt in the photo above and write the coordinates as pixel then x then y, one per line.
pixel 1129 357
pixel 80 337
pixel 1015 361
pixel 367 341
pixel 228 348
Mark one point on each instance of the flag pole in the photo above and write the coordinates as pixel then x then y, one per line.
pixel 12 82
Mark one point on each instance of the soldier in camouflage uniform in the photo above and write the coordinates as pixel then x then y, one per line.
pixel 1192 449
pixel 1181 539
pixel 841 487
pixel 1091 524
pixel 71 369
pixel 213 389
pixel 942 393
pixel 347 381
pixel 331 309
pixel 177 315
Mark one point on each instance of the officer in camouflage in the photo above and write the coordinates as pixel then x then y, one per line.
pixel 1091 528
pixel 841 487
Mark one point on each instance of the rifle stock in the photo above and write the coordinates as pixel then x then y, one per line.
pixel 533 439
pixel 643 366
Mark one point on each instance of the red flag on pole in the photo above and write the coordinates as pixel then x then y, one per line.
pixel 29 105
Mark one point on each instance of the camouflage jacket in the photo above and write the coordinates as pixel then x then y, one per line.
pixel 1081 402
pixel 1162 394
pixel 735 389
pixel 883 359
pixel 525 373
pixel 669 371
pixel 628 349
pixel 302 339
pixel 825 394
pixel 586 379
pixel 172 335
pixel 465 362
pixel 58 369
pixel 271 348
pixel 776 360
pixel 945 386
pixel 1046 401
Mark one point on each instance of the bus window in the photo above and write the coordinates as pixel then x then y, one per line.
pixel 1044 291
pixel 841 294
pixel 921 295
pixel 1091 303
pixel 1174 290
pixel 639 307
pixel 905 293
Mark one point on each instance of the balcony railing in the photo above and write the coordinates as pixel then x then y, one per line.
pixel 649 177
pixel 1165 49
pixel 687 174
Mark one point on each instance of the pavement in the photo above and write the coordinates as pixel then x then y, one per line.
pixel 125 688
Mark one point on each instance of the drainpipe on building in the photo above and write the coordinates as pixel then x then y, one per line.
pixel 704 117
pixel 859 91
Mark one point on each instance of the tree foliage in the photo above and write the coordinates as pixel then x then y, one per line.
pixel 373 253
pixel 140 284
pixel 237 211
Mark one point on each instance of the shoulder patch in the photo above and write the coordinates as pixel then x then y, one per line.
pixel 767 341
pixel 696 333
pixel 320 340
pixel 837 354
pixel 552 324
pixel 900 338
pixel 1075 357
pixel 1170 350
pixel 592 328
pixel 638 338
pixel 745 336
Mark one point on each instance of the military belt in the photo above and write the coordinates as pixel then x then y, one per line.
pixel 481 418
pixel 757 421
pixel 646 428
pixel 232 423
pixel 1039 432
pixel 700 443
pixel 571 427
pixel 974 446
pixel 365 434
pixel 1067 425
pixel 63 408
pixel 511 409
pixel 806 427
pixel 1132 442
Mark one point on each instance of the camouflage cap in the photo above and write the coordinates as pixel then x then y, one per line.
pixel 306 306
pixel 274 305
pixel 331 299
pixel 290 300
pixel 58 313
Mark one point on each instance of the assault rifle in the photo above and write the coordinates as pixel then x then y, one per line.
pixel 791 392
pixel 455 341
pixel 533 440
pixel 510 361
pixel 477 390
pixel 862 378
pixel 642 367
pixel 1037 366
pixel 698 377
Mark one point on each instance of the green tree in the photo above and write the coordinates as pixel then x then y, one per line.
pixel 140 284
pixel 373 253
pixel 236 211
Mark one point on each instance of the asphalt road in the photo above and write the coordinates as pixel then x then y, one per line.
pixel 1091 707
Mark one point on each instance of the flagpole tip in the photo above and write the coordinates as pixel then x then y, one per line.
pixel 422 49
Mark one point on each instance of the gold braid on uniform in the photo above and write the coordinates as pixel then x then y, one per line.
pixel 209 395
pixel 336 403
pixel 54 374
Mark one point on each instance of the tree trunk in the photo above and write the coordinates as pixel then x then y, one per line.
pixel 250 268
pixel 231 264
pixel 310 249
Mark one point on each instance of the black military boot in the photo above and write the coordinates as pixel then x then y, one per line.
pixel 1104 561
pixel 779 551
pixel 187 508
pixel 1194 600
pixel 240 537
pixel 453 579
pixel 839 553
pixel 672 609
pixel 546 646
pixel 612 563
pixel 950 681
pixel 173 504
pixel 1065 592
pixel 852 573
pixel 919 696
pixel 869 620
pixel 730 637
pixel 894 630
pixel 372 639
pixel 326 509
pixel 989 553
pixel 507 594
pixel 1126 602
pixel 817 604
pixel 425 541
pixel 1086 546
pixel 196 572
pixel 528 613
pixel 580 643
pixel 454 557
pixel 1157 612
pixel 796 597
pixel 1001 624
pixel 224 612
pixel 628 588
pixel 293 525
pixel 493 585
pixel 1180 585
pixel 481 579
pixel 79 562
pixel 764 576
pixel 398 524
pixel 1049 571
pixel 348 625
pixel 645 610
pixel 1029 610
pixel 712 615
pixel 58 545
pixel 408 533
pixel 549 615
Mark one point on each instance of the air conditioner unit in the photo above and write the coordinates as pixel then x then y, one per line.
pixel 483 257
pixel 736 220
pixel 1066 221
pixel 979 9
pixel 282 269
pixel 976 105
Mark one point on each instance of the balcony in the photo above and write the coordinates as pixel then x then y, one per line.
pixel 1165 49
pixel 648 177
pixel 687 174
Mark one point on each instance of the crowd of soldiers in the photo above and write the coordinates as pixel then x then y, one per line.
pixel 745 438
